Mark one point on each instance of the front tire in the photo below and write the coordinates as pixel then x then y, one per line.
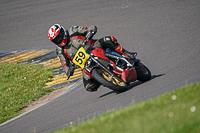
pixel 143 73
pixel 115 83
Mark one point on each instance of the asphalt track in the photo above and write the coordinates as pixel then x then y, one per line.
pixel 165 33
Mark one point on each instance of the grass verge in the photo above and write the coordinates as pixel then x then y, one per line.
pixel 177 111
pixel 19 85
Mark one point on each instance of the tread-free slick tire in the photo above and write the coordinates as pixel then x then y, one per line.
pixel 103 78
pixel 143 73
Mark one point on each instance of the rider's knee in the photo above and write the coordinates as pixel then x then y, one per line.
pixel 106 39
pixel 109 42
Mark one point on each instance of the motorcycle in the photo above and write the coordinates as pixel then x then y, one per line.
pixel 110 68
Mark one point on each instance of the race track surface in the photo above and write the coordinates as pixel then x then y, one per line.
pixel 165 33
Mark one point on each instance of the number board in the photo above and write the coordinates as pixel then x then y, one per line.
pixel 81 57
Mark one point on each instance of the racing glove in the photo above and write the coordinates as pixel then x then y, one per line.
pixel 71 69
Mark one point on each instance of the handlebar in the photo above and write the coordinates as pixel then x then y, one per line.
pixel 88 36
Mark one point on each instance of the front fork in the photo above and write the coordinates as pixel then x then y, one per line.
pixel 97 64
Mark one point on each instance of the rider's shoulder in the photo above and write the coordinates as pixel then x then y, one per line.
pixel 92 27
pixel 74 29
pixel 81 29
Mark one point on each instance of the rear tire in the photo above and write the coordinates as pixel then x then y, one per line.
pixel 143 73
pixel 115 83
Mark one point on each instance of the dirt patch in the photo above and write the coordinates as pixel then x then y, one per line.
pixel 45 98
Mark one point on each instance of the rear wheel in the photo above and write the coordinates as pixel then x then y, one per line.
pixel 114 83
pixel 143 73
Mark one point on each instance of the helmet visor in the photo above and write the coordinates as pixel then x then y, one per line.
pixel 58 39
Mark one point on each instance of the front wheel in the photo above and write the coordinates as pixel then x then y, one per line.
pixel 104 78
pixel 143 73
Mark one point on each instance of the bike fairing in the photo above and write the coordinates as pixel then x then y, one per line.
pixel 124 76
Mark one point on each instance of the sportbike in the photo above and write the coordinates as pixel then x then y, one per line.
pixel 110 68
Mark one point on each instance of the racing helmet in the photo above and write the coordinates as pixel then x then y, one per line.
pixel 58 35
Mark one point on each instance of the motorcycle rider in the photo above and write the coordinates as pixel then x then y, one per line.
pixel 68 41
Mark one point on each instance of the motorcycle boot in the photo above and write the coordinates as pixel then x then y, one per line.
pixel 122 51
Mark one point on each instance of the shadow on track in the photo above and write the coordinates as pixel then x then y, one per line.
pixel 131 86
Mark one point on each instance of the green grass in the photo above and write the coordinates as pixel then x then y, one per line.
pixel 19 85
pixel 172 112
